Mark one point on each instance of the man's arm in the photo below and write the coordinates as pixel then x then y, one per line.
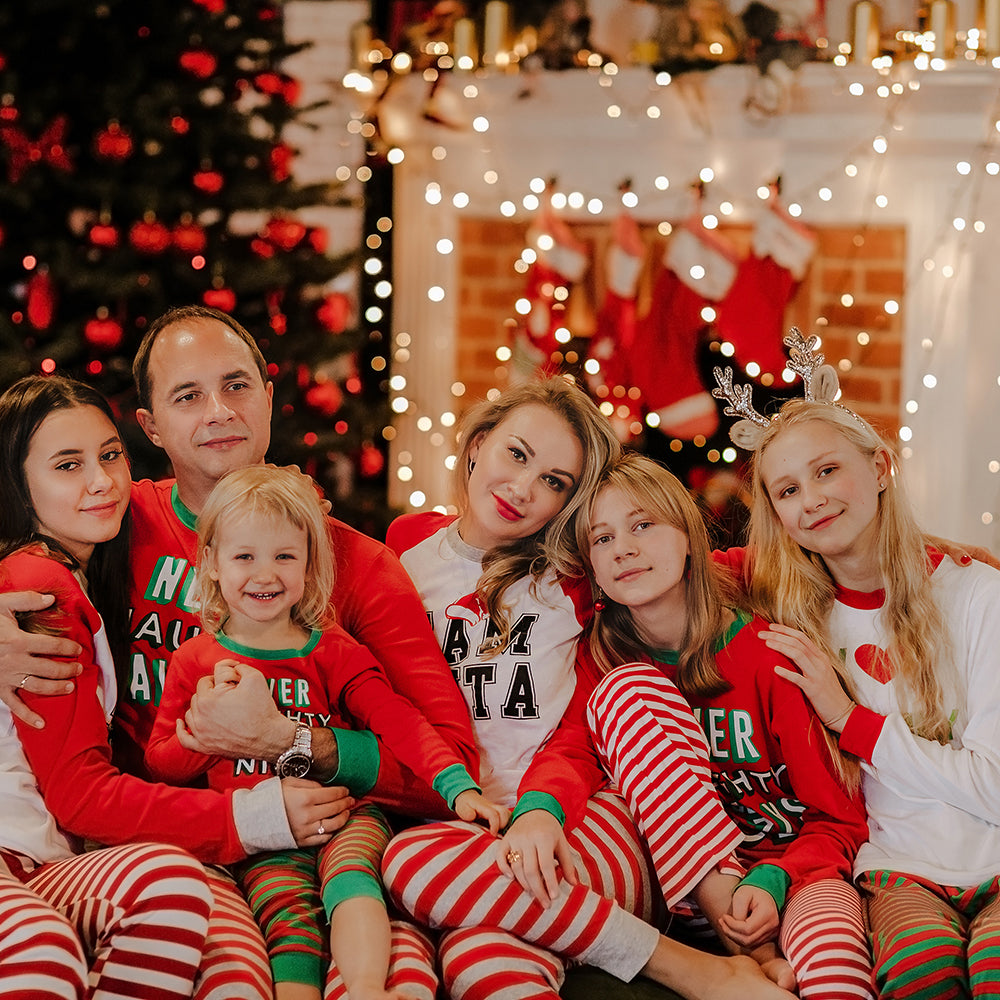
pixel 25 657
pixel 233 715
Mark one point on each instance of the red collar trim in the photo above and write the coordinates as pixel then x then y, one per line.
pixel 872 600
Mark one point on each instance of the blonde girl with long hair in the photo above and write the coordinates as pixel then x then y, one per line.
pixel 567 879
pixel 265 575
pixel 896 647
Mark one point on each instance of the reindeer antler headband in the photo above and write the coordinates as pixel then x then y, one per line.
pixel 819 380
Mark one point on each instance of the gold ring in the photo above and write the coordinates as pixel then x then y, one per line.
pixel 513 857
pixel 321 830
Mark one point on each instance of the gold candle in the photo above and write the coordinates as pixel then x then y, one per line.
pixel 941 20
pixel 464 42
pixel 865 31
pixel 988 23
pixel 494 31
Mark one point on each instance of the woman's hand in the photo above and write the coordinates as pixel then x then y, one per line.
pixel 817 679
pixel 752 918
pixel 315 812
pixel 529 852
pixel 470 805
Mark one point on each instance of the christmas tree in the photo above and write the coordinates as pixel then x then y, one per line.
pixel 143 166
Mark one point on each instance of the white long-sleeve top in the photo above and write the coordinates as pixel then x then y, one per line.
pixel 933 809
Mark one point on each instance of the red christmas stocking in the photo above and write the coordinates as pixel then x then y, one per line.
pixel 752 315
pixel 614 339
pixel 562 260
pixel 699 268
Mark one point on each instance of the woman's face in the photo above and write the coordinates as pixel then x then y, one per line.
pixel 78 479
pixel 825 491
pixel 526 469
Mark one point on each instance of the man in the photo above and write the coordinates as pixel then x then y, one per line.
pixel 205 399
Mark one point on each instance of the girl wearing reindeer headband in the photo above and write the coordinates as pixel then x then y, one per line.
pixel 896 649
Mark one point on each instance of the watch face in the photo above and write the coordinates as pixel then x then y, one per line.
pixel 294 766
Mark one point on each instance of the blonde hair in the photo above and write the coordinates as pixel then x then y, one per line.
pixel 792 585
pixel 615 637
pixel 552 545
pixel 278 492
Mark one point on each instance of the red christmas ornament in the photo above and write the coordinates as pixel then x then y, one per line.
pixel 103 332
pixel 324 397
pixel 262 248
pixel 149 235
pixel 188 236
pixel 278 85
pixel 199 63
pixel 103 234
pixel 209 181
pixel 113 142
pixel 220 298
pixel 280 160
pixel 371 461
pixel 41 304
pixel 268 83
pixel 291 89
pixel 284 233
pixel 318 238
pixel 335 312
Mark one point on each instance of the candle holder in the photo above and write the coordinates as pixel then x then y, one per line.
pixel 866 16
pixel 941 21
pixel 496 31
pixel 988 22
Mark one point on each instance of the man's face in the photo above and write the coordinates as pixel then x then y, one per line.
pixel 209 409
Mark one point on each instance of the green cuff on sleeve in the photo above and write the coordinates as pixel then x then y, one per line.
pixel 772 879
pixel 452 781
pixel 358 760
pixel 538 800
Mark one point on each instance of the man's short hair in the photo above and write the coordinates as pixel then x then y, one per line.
pixel 140 365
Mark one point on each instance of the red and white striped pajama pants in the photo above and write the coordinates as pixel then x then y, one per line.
pixel 40 953
pixel 503 943
pixel 235 965
pixel 656 751
pixel 141 914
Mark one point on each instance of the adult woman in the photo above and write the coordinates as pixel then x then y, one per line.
pixel 64 491
pixel 492 580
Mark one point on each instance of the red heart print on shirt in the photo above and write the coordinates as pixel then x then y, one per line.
pixel 874 662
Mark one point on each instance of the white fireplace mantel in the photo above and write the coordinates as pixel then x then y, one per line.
pixel 558 125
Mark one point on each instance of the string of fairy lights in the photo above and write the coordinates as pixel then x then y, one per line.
pixel 857 177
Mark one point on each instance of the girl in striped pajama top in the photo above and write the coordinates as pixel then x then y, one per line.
pixel 897 647
pixel 751 741
pixel 567 879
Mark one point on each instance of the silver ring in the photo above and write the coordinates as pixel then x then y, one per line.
pixel 24 680
pixel 321 830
